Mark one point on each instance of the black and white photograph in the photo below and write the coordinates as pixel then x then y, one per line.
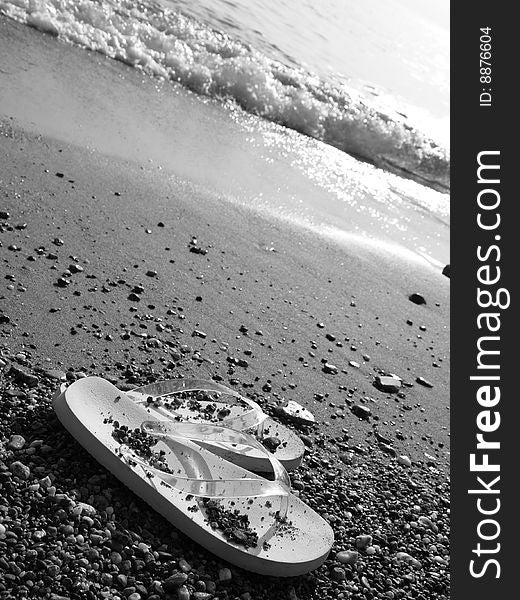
pixel 225 300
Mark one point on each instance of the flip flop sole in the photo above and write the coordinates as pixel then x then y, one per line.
pixel 88 410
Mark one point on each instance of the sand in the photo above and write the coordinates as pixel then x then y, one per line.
pixel 128 223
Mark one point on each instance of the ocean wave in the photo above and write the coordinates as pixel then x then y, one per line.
pixel 169 44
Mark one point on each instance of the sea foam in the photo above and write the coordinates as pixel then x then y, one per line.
pixel 168 44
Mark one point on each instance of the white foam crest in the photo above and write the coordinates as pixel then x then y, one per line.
pixel 168 44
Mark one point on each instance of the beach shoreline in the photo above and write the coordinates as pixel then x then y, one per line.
pixel 127 224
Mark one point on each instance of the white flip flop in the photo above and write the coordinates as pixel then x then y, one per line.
pixel 252 522
pixel 240 414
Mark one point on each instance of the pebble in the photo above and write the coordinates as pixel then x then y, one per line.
pixel 184 566
pixel 225 574
pixel 297 413
pixel 21 376
pixel 407 558
pixel 417 298
pixel 363 412
pixel 424 382
pixel 347 557
pixel 447 271
pixel 183 593
pixel 271 443
pixel 388 383
pixel 404 460
pixel 338 574
pixel 18 469
pixel 363 541
pixel 329 368
pixel 16 442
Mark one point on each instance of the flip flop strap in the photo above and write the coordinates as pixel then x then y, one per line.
pixel 255 417
pixel 183 433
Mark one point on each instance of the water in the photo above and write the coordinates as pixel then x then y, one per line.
pixel 360 81
pixel 396 52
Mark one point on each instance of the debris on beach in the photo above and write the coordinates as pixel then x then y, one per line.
pixel 297 413
pixel 195 248
pixel 330 368
pixel 417 298
pixel 388 383
pixel 361 411
pixel 424 382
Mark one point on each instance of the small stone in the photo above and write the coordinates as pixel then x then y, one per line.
pixel 297 413
pixel 338 574
pixel 329 368
pixel 21 376
pixel 447 271
pixel 151 273
pixel 427 522
pixel 363 541
pixel 4 214
pixel 417 298
pixel 404 460
pixel 16 442
pixel 387 448
pixel 133 297
pixel 346 457
pixel 184 566
pixel 271 443
pixel 86 509
pixel 388 383
pixel 55 374
pixel 363 412
pixel 183 593
pixel 424 382
pixel 347 557
pixel 381 438
pixel 225 574
pixel 407 558
pixel 18 469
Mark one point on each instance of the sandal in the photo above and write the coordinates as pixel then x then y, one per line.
pixel 250 521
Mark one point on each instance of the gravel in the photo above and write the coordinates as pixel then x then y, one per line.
pixel 69 529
